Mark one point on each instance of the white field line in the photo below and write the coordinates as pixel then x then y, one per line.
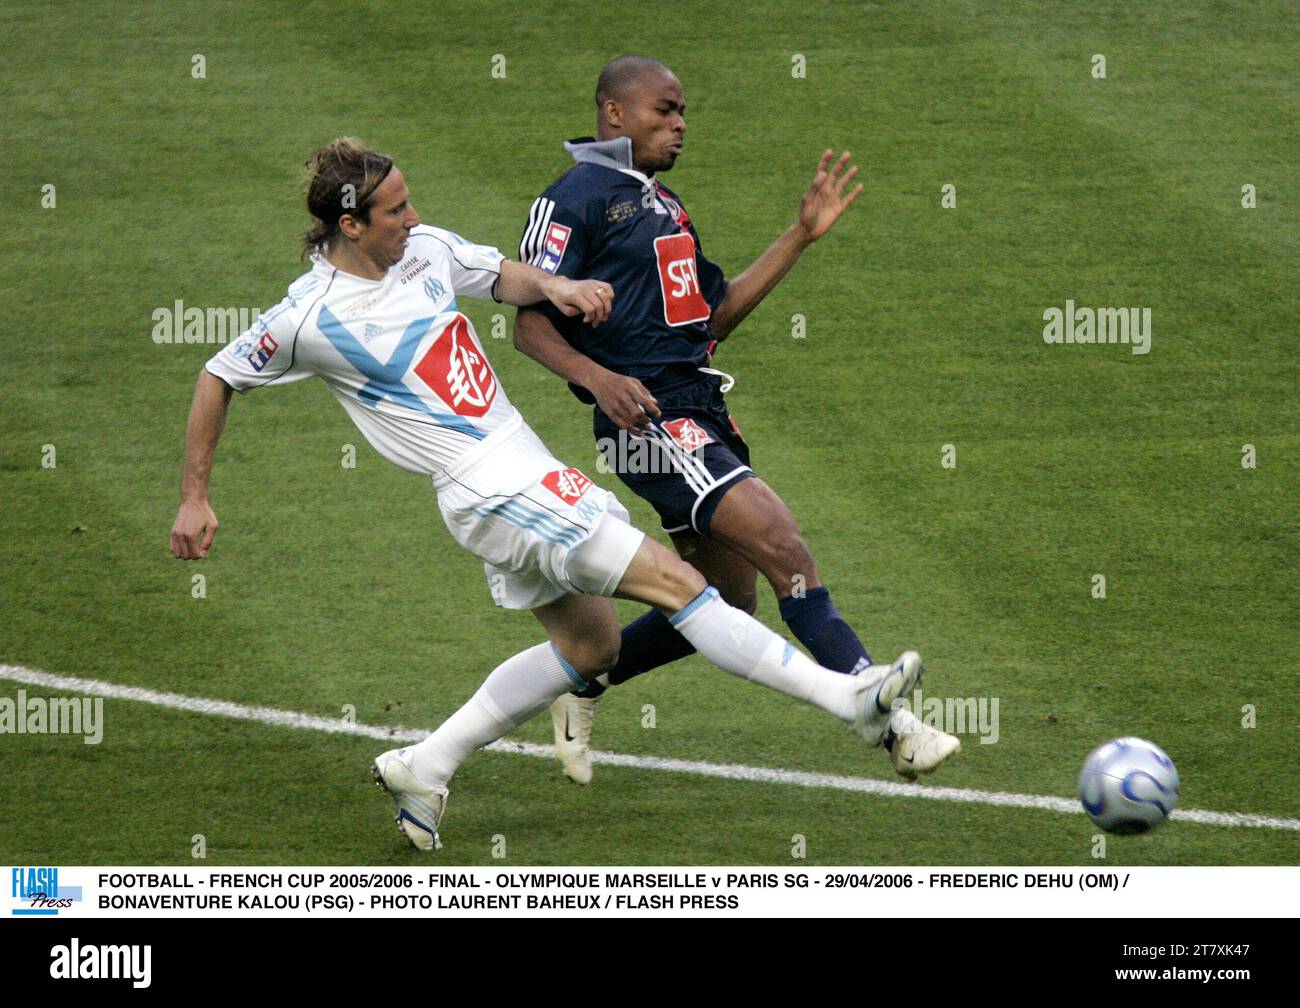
pixel 762 775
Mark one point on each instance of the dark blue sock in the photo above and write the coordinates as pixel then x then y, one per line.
pixel 822 630
pixel 648 642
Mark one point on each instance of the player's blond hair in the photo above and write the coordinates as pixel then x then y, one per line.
pixel 340 178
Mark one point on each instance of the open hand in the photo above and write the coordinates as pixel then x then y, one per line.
pixel 825 200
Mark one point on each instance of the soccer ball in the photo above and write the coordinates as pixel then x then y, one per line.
pixel 1128 785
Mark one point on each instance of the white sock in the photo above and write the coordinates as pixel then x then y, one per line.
pixel 735 641
pixel 516 690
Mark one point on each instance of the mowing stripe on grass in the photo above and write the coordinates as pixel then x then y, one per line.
pixel 762 775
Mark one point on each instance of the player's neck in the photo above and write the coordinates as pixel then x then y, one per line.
pixel 345 256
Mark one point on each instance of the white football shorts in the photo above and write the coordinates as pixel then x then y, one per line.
pixel 541 528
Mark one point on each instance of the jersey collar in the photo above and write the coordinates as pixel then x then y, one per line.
pixel 616 154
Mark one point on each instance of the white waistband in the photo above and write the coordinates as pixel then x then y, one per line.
pixel 468 462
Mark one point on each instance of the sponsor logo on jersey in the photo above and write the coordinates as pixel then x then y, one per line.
pixel 434 288
pixel 264 351
pixel 412 268
pixel 679 280
pixel 557 240
pixel 567 484
pixel 370 332
pixel 689 435
pixel 458 372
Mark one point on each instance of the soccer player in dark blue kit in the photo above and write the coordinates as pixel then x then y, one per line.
pixel 660 417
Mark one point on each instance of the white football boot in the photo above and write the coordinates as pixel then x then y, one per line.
pixel 879 686
pixel 916 748
pixel 419 807
pixel 572 717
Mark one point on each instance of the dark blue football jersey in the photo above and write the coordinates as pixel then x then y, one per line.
pixel 605 220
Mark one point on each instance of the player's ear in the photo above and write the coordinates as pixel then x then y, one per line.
pixel 613 113
pixel 351 226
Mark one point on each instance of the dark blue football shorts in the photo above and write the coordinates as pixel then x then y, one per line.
pixel 685 464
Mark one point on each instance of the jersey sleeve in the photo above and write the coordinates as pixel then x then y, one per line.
pixel 475 269
pixel 263 355
pixel 557 238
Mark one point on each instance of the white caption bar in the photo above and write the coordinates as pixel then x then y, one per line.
pixel 433 891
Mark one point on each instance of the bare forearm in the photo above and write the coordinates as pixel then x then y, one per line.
pixel 202 432
pixel 536 337
pixel 746 291
pixel 622 398
pixel 521 284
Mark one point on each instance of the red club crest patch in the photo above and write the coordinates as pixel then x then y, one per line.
pixel 567 484
pixel 458 371
pixel 688 434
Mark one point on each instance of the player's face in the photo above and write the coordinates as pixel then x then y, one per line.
pixel 654 116
pixel 383 240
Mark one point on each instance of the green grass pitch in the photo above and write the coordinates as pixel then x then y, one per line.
pixel 331 586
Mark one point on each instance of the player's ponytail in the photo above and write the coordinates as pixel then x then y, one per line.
pixel 340 179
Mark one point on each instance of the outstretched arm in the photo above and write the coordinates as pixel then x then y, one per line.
pixel 195 524
pixel 821 207
pixel 521 284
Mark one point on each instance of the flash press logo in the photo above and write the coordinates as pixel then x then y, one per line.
pixel 39 888
pixel 75 961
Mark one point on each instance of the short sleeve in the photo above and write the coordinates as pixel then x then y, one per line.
pixel 264 354
pixel 475 269
pixel 557 239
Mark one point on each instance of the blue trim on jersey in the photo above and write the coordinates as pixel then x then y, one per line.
pixel 561 530
pixel 386 379
pixel 707 595
pixel 569 670
pixel 271 314
pixel 541 525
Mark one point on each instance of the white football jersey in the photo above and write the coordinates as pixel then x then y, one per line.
pixel 406 365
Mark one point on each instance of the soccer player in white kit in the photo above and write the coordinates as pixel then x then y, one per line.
pixel 376 319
